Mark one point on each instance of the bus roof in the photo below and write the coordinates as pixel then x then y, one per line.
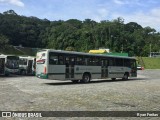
pixel 4 56
pixel 82 53
pixel 27 57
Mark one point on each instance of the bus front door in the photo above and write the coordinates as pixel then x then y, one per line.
pixel 70 62
pixel 2 62
pixel 104 69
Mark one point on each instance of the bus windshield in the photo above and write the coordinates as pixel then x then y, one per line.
pixel 22 61
pixel 12 62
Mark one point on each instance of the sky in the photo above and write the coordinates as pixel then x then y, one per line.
pixel 144 12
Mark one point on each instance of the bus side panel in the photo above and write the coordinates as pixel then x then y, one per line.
pixel 117 72
pixel 56 72
pixel 95 71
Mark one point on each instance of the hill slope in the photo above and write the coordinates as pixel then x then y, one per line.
pixel 19 50
pixel 151 63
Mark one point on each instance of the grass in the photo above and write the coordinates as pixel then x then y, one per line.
pixel 18 51
pixel 10 50
pixel 151 63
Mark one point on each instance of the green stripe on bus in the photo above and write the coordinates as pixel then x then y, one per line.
pixel 43 76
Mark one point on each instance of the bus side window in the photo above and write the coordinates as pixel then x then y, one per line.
pixel 126 63
pixel 119 62
pixel 53 59
pixel 104 62
pixel 60 60
pixel 22 61
pixel 97 61
pixel 66 60
pixel 79 60
pixel 85 60
pixel 91 61
pixel 111 62
pixel 72 61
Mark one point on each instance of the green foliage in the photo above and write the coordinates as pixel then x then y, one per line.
pixel 3 41
pixel 21 30
pixel 9 12
pixel 70 49
pixel 78 35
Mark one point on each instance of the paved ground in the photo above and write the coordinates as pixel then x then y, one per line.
pixel 28 93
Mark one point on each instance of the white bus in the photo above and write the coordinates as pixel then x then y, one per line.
pixel 9 64
pixel 27 65
pixel 78 66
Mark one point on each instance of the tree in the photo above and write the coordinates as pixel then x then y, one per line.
pixel 3 41
pixel 70 49
pixel 10 12
pixel 77 35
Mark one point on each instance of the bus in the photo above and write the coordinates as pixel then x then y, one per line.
pixel 27 65
pixel 154 54
pixel 9 64
pixel 82 67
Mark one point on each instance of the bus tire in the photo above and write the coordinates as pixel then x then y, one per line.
pixel 23 72
pixel 113 79
pixel 75 81
pixel 86 78
pixel 125 77
pixel 7 74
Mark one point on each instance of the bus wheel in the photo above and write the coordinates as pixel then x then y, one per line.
pixel 23 72
pixel 6 74
pixel 125 77
pixel 113 78
pixel 75 81
pixel 86 78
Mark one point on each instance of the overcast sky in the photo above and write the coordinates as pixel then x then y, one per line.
pixel 144 12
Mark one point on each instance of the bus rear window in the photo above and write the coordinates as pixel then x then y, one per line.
pixel 41 56
pixel 13 57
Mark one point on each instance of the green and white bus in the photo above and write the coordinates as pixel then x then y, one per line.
pixel 9 64
pixel 78 66
pixel 27 65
